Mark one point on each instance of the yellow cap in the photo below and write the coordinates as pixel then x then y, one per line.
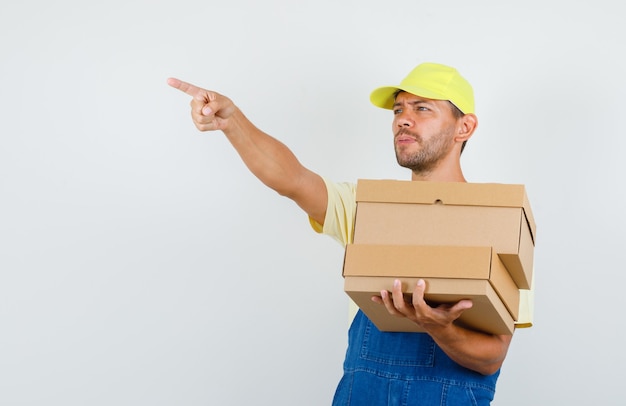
pixel 432 81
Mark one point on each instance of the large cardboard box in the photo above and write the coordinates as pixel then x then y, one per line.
pixel 391 212
pixel 451 274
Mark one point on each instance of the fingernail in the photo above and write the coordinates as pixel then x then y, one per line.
pixel 206 111
pixel 396 283
pixel 420 282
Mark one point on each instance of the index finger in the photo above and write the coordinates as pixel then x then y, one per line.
pixel 188 88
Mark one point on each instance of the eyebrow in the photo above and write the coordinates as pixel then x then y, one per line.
pixel 411 102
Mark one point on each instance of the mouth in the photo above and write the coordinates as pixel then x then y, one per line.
pixel 403 137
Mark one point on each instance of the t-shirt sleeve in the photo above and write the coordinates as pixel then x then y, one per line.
pixel 340 212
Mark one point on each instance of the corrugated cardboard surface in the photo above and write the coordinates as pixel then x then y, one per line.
pixel 488 313
pixel 449 213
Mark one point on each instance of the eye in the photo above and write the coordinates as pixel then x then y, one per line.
pixel 397 111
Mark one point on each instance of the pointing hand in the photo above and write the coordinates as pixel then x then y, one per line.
pixel 210 111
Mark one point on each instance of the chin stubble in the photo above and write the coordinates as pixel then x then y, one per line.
pixel 427 157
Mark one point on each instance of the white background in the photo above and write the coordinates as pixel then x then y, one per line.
pixel 141 263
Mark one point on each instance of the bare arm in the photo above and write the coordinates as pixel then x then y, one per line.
pixel 483 353
pixel 266 157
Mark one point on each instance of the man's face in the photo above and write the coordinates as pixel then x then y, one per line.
pixel 423 131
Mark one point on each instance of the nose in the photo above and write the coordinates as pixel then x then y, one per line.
pixel 403 119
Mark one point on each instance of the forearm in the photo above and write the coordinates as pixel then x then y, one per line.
pixel 481 352
pixel 266 157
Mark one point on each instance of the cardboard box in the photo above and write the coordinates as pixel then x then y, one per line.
pixel 451 274
pixel 391 212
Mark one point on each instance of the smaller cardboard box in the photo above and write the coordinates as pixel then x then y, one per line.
pixel 392 212
pixel 451 273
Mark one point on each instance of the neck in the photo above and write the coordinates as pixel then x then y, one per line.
pixel 439 176
pixel 448 170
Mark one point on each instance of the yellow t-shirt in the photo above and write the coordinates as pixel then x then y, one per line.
pixel 339 224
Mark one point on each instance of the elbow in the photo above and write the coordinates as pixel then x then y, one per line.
pixel 490 366
pixel 484 367
pixel 490 369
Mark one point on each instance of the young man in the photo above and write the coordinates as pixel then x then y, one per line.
pixel 433 117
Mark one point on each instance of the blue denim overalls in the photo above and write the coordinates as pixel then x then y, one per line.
pixel 383 369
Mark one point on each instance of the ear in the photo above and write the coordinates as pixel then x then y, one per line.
pixel 466 127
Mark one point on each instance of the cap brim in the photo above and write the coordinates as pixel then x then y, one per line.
pixel 383 97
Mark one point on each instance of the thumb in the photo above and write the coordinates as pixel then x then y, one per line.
pixel 206 110
pixel 460 307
